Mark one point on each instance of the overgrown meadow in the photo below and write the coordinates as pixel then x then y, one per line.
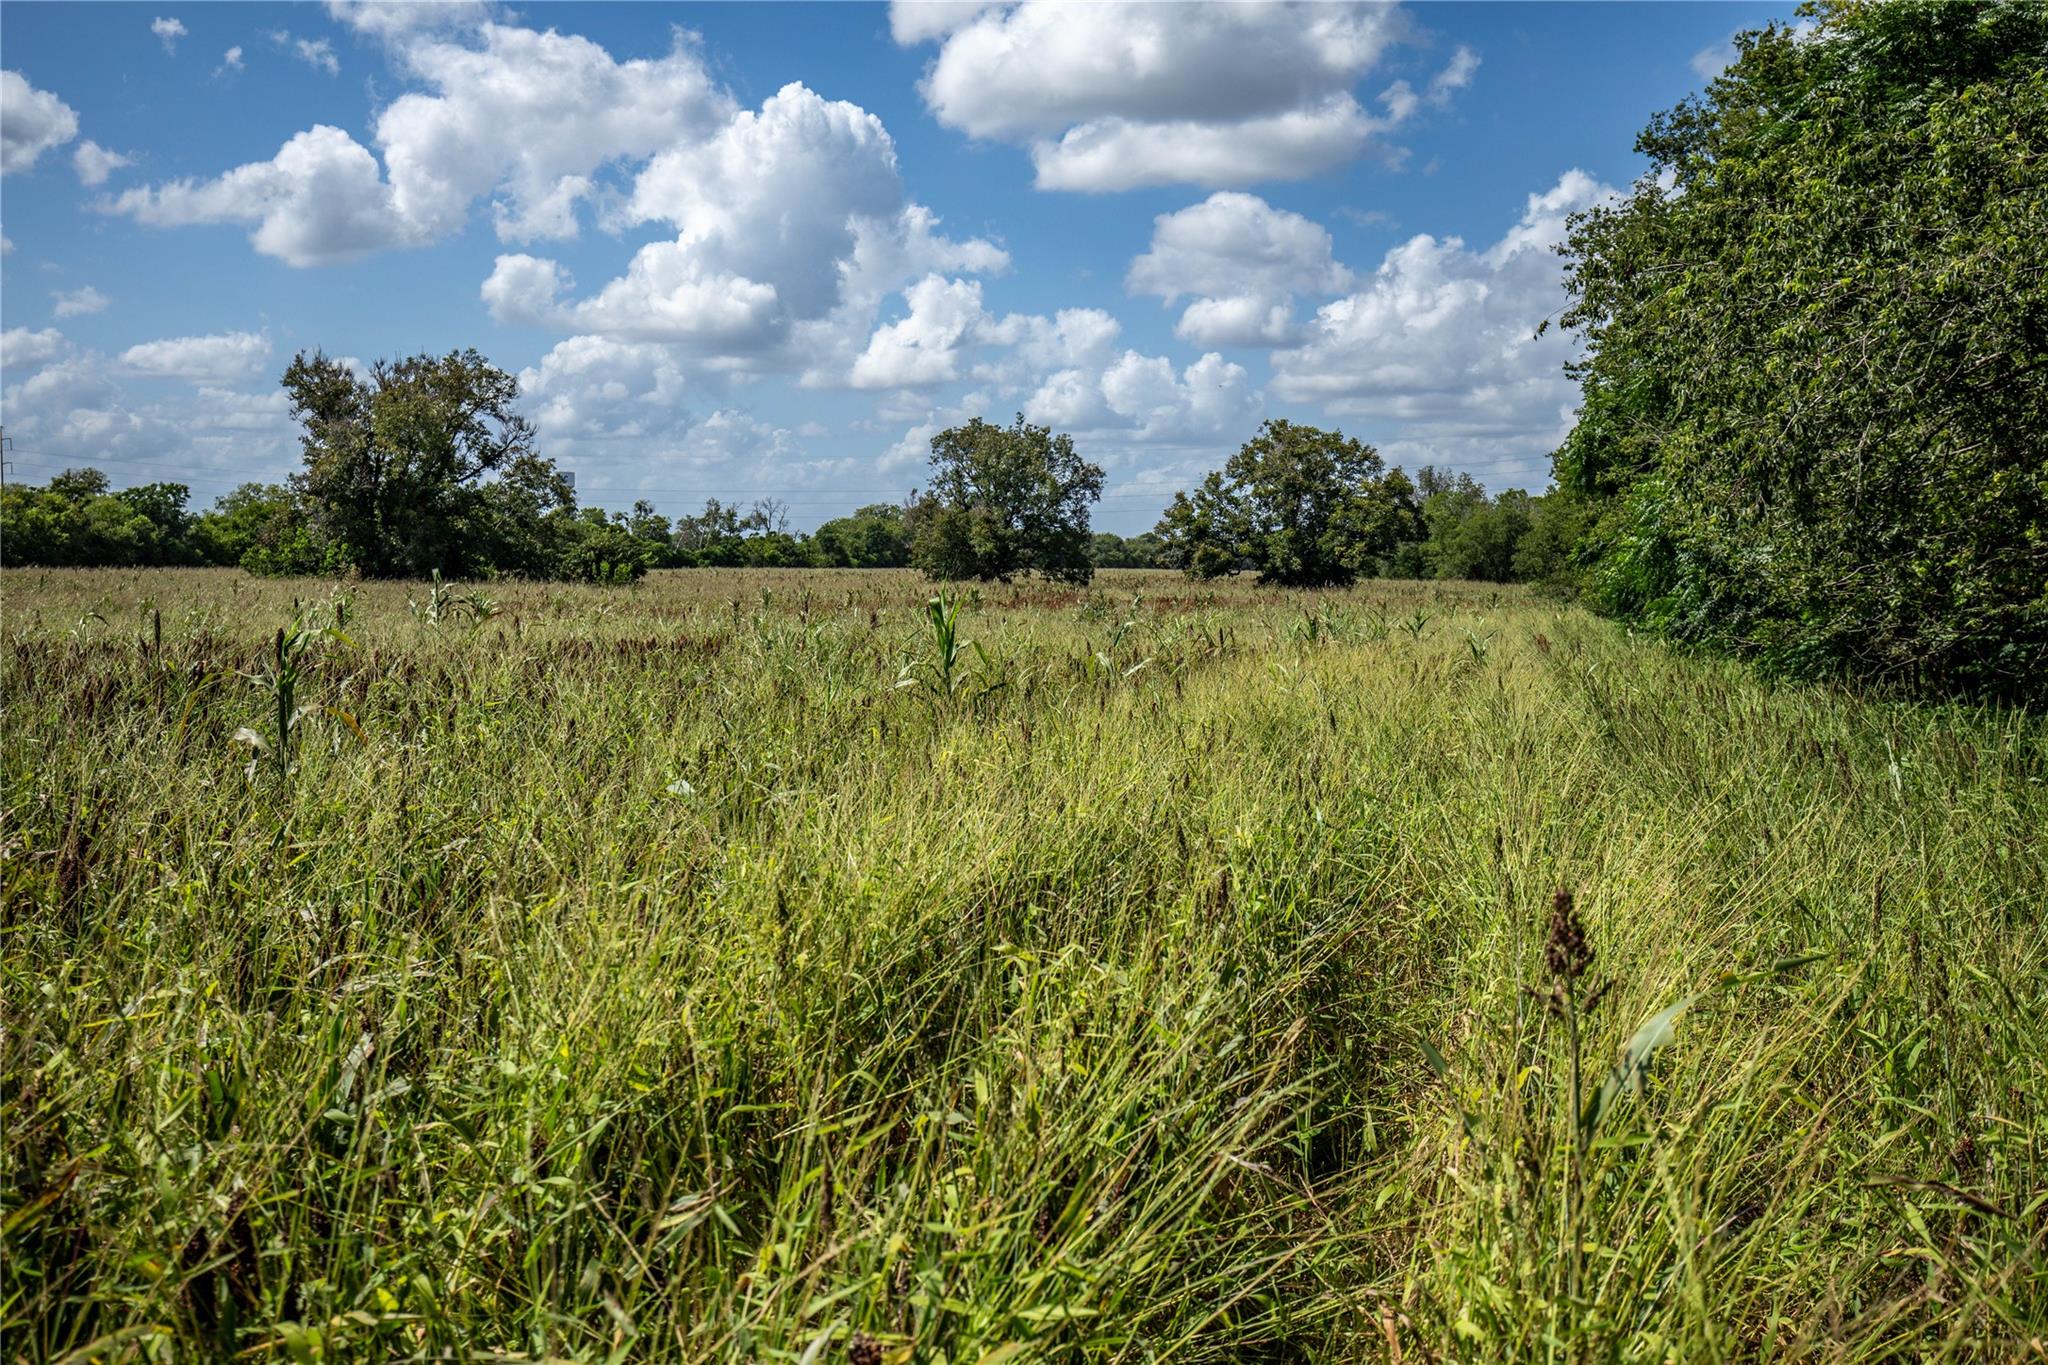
pixel 770 966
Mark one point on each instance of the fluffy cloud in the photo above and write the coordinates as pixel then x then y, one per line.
pixel 317 53
pixel 594 389
pixel 167 31
pixel 730 436
pixel 791 228
pixel 1113 96
pixel 944 323
pixel 1240 261
pixel 231 60
pixel 217 359
pixel 1710 62
pixel 32 121
pixel 532 116
pixel 1403 101
pixel 919 21
pixel 1464 64
pixel 790 221
pixel 618 412
pixel 1208 396
pixel 400 18
pixel 526 117
pixel 320 200
pixel 71 303
pixel 69 406
pixel 1035 344
pixel 24 351
pixel 923 348
pixel 220 409
pixel 1437 349
pixel 665 295
pixel 775 194
pixel 1120 154
pixel 55 385
pixel 1036 68
pixel 1142 398
pixel 95 163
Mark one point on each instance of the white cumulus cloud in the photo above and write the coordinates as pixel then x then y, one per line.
pixel 1240 261
pixel 32 122
pixel 95 163
pixel 69 406
pixel 524 117
pixel 320 200
pixel 530 117
pixel 1437 348
pixel 919 21
pixel 24 350
pixel 1210 395
pixel 591 389
pixel 791 228
pixel 167 31
pixel 401 18
pixel 945 327
pixel 923 348
pixel 219 358
pixel 1113 96
pixel 317 53
pixel 72 303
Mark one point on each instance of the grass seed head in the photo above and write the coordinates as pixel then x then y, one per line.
pixel 1566 954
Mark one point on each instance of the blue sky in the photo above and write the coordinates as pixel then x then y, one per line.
pixel 742 251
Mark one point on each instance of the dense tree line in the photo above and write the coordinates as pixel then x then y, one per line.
pixel 1302 507
pixel 422 466
pixel 1814 426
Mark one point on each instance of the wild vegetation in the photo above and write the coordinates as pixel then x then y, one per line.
pixel 782 966
pixel 1816 394
pixel 427 960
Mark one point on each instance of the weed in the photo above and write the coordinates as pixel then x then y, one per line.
pixel 279 683
pixel 946 678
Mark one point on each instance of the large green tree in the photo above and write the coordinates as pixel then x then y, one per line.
pixel 393 461
pixel 1815 402
pixel 1298 505
pixel 1005 501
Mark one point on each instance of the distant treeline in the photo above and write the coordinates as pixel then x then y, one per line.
pixel 1451 529
pixel 421 466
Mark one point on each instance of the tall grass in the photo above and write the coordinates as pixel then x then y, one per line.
pixel 644 974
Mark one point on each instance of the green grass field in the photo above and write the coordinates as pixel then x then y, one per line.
pixel 710 970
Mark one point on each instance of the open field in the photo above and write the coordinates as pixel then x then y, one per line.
pixel 704 971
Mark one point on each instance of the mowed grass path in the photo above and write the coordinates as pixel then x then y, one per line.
pixel 668 974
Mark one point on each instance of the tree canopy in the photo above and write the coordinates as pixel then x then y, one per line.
pixel 1816 380
pixel 1005 501
pixel 1298 505
pixel 393 459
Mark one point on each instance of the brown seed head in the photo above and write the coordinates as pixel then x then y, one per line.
pixel 1566 954
pixel 863 1350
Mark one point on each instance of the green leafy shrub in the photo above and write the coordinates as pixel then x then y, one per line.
pixel 1816 389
